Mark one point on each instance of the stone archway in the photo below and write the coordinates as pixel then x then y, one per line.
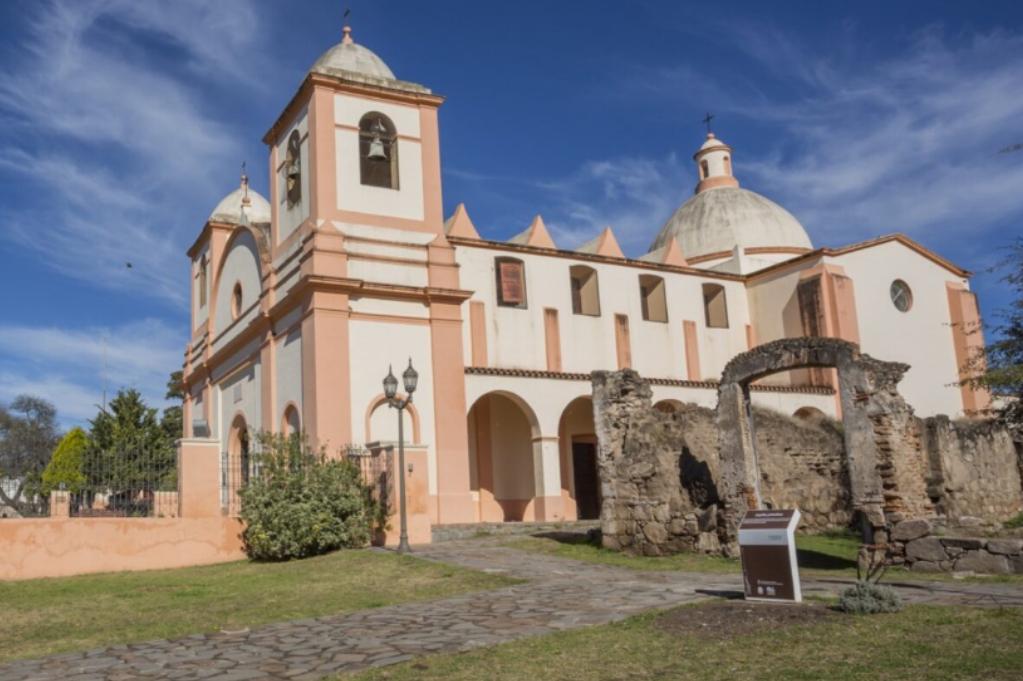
pixel 876 422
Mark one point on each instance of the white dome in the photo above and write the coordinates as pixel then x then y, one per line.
pixel 353 58
pixel 231 207
pixel 719 219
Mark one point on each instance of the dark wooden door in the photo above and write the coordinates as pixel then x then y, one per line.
pixel 587 483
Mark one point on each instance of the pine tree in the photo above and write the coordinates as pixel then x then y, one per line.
pixel 130 454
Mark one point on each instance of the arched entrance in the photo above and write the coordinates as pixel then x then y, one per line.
pixel 875 424
pixel 502 432
pixel 239 463
pixel 579 479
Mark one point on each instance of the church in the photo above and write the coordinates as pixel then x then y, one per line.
pixel 304 299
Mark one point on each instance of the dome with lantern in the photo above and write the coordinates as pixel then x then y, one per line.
pixel 722 216
pixel 243 206
pixel 348 57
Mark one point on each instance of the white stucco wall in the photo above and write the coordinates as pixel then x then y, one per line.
pixel 407 200
pixel 921 337
pixel 290 217
pixel 239 393
pixel 515 337
pixel 241 265
pixel 289 374
pixel 373 345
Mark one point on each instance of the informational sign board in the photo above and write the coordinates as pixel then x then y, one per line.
pixel 767 547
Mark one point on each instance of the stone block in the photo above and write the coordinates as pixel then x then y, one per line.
pixel 1016 564
pixel 655 533
pixel 968 543
pixel 1005 547
pixel 708 543
pixel 925 566
pixel 908 530
pixel 926 548
pixel 983 562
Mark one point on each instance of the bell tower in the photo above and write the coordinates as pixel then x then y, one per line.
pixel 357 145
pixel 362 270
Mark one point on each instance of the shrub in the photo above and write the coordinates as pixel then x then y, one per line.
pixel 1014 522
pixel 302 504
pixel 65 466
pixel 867 598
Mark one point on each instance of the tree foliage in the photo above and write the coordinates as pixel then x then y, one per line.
pixel 172 421
pixel 129 451
pixel 303 504
pixel 64 471
pixel 1003 374
pixel 28 434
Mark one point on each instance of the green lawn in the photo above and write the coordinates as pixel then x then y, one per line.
pixel 922 642
pixel 45 616
pixel 819 555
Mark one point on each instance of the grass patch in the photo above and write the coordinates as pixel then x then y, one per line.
pixel 46 616
pixel 830 554
pixel 1015 521
pixel 922 642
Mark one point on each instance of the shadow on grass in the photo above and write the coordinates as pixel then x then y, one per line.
pixel 590 538
pixel 815 560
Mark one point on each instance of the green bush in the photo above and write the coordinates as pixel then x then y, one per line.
pixel 302 504
pixel 1015 521
pixel 65 466
pixel 867 598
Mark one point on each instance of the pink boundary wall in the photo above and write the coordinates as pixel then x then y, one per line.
pixel 60 546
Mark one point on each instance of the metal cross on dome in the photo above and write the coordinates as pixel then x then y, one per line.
pixel 707 119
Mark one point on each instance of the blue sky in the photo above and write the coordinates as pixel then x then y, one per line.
pixel 123 122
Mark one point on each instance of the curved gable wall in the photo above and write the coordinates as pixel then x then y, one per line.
pixel 241 265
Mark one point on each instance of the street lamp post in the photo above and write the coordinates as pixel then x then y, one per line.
pixel 410 377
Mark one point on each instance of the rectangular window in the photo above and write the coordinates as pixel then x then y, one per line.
pixel 715 307
pixel 652 298
pixel 585 291
pixel 511 282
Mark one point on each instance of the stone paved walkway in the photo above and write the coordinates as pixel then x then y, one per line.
pixel 560 594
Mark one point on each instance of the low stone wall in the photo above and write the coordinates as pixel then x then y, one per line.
pixel 60 547
pixel 915 545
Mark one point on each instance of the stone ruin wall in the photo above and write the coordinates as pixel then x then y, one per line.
pixel 660 470
pixel 974 471
pixel 802 463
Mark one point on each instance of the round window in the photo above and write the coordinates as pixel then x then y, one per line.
pixel 236 301
pixel 902 296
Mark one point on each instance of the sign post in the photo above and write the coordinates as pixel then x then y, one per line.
pixel 767 547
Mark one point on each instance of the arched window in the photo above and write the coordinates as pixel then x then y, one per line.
pixel 652 298
pixel 378 151
pixel 704 170
pixel 715 307
pixel 293 169
pixel 203 279
pixel 511 282
pixel 728 165
pixel 585 292
pixel 291 424
pixel 236 301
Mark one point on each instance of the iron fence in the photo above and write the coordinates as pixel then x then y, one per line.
pixel 137 481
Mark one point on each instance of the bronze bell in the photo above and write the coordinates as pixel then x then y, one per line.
pixel 376 149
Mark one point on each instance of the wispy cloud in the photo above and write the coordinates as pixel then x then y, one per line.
pixel 863 146
pixel 72 367
pixel 115 136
